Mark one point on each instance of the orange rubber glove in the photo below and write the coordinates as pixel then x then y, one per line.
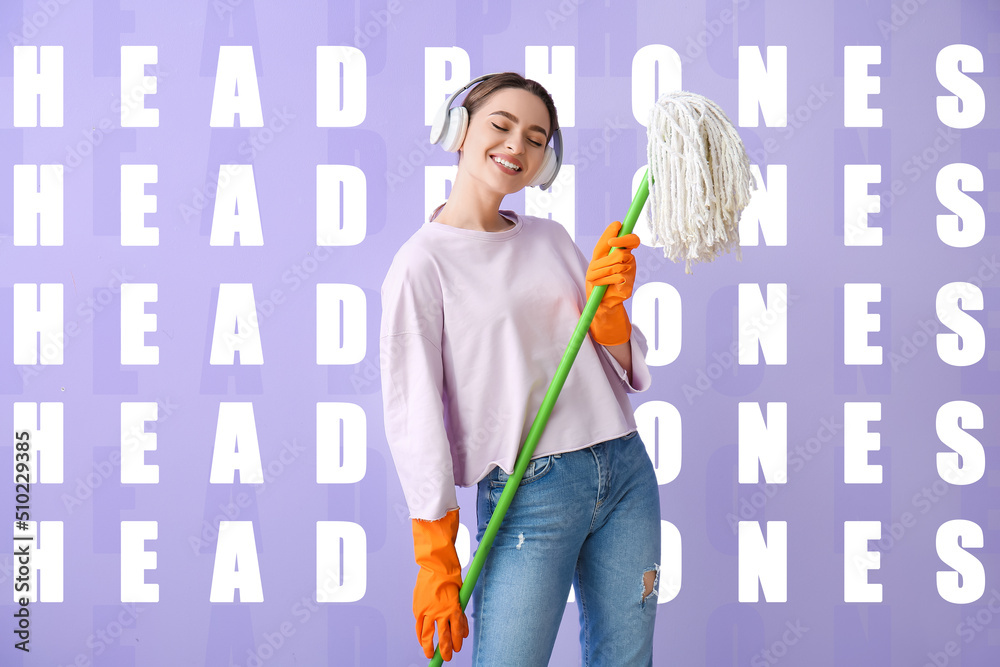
pixel 435 596
pixel 611 325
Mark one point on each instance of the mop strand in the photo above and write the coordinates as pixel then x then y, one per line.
pixel 701 179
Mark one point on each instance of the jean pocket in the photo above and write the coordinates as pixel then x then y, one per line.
pixel 537 468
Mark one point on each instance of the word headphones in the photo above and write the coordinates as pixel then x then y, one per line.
pixel 450 125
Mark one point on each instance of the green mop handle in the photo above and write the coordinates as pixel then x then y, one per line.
pixel 542 418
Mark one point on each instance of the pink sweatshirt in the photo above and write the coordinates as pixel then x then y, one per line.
pixel 474 325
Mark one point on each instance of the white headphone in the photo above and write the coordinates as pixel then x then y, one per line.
pixel 450 125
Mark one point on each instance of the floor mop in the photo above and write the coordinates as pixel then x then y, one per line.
pixel 698 181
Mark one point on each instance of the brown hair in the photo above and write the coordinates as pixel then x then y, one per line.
pixel 483 90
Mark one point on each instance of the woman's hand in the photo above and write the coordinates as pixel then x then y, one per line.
pixel 611 325
pixel 439 582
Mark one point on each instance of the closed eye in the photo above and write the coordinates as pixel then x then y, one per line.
pixel 503 129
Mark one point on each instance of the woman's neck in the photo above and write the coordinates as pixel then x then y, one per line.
pixel 478 211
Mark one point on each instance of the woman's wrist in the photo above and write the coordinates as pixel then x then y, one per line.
pixel 623 355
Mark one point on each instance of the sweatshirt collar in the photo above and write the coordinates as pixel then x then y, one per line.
pixel 475 233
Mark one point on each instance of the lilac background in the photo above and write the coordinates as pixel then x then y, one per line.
pixel 704 624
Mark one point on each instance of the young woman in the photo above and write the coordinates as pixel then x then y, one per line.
pixel 477 308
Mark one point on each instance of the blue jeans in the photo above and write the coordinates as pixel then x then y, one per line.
pixel 588 518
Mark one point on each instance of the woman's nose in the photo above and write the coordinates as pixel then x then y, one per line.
pixel 515 143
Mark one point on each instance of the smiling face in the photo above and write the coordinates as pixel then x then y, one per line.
pixel 505 143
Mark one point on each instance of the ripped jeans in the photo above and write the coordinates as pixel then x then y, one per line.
pixel 588 518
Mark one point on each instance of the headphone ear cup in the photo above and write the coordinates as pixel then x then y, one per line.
pixel 455 128
pixel 547 170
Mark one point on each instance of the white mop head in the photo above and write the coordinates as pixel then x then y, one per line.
pixel 700 178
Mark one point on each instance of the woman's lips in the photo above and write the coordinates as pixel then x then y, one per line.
pixel 507 170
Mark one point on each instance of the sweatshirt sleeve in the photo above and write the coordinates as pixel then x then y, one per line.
pixel 413 389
